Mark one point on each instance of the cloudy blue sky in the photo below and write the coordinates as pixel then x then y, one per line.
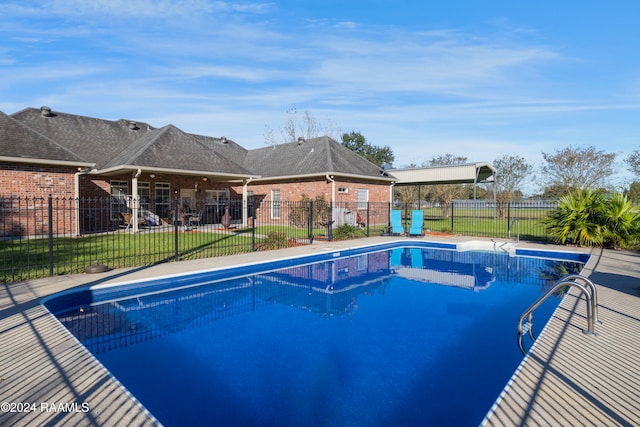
pixel 472 78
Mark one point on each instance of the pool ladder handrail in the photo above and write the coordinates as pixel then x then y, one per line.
pixel 587 287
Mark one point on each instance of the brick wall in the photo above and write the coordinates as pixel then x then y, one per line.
pixel 22 179
pixel 25 189
pixel 293 190
pixel 27 181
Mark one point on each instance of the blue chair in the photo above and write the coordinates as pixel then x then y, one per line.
pixel 396 222
pixel 417 220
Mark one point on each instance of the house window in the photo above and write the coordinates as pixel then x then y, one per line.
pixel 363 198
pixel 144 195
pixel 119 197
pixel 275 203
pixel 163 199
pixel 217 197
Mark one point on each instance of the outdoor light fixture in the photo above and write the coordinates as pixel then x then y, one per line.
pixel 205 179
pixel 152 175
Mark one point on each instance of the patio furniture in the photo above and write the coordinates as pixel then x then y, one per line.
pixel 396 223
pixel 127 217
pixel 417 220
pixel 195 219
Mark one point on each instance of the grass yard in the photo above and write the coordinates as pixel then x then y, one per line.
pixel 29 258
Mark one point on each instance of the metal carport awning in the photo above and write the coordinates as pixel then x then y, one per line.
pixel 471 173
pixel 468 173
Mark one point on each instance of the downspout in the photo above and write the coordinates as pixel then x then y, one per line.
pixel 333 188
pixel 245 207
pixel 333 201
pixel 136 202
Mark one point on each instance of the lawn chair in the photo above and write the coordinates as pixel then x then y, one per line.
pixel 195 219
pixel 417 220
pixel 396 223
pixel 128 219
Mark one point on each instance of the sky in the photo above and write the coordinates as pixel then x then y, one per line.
pixel 478 79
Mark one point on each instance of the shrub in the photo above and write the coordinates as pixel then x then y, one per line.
pixel 621 222
pixel 299 213
pixel 275 240
pixel 346 231
pixel 587 218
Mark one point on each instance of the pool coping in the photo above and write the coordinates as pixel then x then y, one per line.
pixel 43 366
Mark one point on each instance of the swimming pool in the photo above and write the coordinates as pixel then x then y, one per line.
pixel 386 335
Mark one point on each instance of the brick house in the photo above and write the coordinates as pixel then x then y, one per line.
pixel 137 167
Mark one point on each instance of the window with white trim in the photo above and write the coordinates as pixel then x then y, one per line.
pixel 275 203
pixel 163 199
pixel 119 198
pixel 363 198
pixel 144 195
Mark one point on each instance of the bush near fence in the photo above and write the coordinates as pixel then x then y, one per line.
pixel 42 237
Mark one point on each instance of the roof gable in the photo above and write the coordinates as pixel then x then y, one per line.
pixel 171 148
pixel 19 141
pixel 95 140
pixel 317 156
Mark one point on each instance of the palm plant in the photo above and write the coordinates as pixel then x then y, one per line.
pixel 578 219
pixel 587 218
pixel 621 222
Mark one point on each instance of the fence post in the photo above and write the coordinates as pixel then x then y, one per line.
pixel 253 233
pixel 452 216
pixel 310 222
pixel 368 217
pixel 50 221
pixel 175 229
pixel 508 216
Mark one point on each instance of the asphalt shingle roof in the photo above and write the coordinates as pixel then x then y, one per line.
pixel 321 155
pixel 171 148
pixel 124 143
pixel 20 141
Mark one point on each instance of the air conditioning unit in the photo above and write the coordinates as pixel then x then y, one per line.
pixel 343 190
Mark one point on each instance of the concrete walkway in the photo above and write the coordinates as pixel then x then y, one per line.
pixel 48 378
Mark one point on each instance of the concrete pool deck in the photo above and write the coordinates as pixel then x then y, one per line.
pixel 568 378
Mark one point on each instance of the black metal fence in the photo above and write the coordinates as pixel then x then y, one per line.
pixel 519 219
pixel 47 236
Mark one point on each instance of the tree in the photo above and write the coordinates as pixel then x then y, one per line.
pixel 356 142
pixel 406 193
pixel 577 168
pixel 304 126
pixel 511 171
pixel 633 162
pixel 446 193
pixel 633 193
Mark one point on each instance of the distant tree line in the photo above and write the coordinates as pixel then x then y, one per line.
pixel 563 171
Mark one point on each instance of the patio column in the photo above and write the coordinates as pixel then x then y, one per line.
pixel 135 200
pixel 245 206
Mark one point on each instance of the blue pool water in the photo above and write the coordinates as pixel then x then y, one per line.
pixel 378 337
